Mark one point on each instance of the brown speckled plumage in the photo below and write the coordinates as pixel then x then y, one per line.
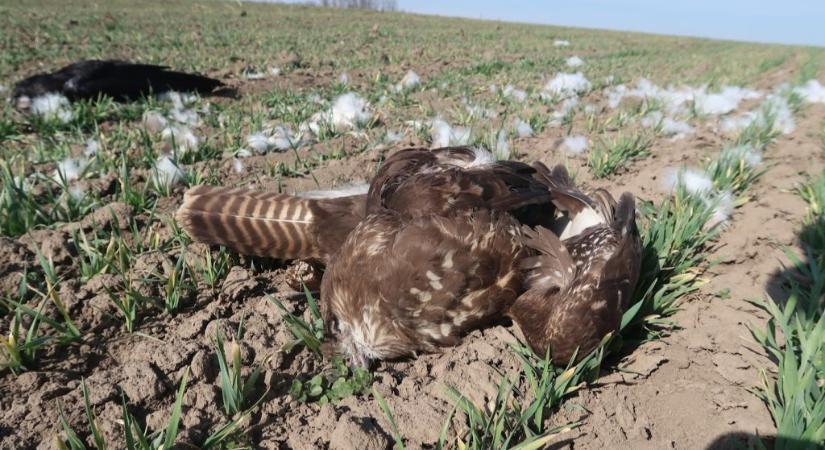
pixel 436 256
pixel 578 288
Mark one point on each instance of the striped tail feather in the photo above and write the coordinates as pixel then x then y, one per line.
pixel 269 224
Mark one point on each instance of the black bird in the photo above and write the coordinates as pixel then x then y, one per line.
pixel 121 80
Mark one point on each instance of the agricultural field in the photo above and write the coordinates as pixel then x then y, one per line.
pixel 118 331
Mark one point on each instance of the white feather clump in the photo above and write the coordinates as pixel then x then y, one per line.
pixel 274 71
pixel 349 111
pixel 166 173
pixel 278 138
pixel 694 181
pixel 237 165
pixel 776 106
pixel 52 106
pixel 343 78
pixel 567 85
pixel 77 193
pixel 676 98
pixel 512 92
pixel 774 113
pixel 154 121
pixel 92 147
pixel 179 138
pixel 574 145
pixel 70 169
pixel 392 137
pixel 567 105
pixel 410 81
pixel 480 112
pixel 443 135
pixel 747 153
pixel 180 100
pixel 723 206
pixel 676 128
pixel 669 127
pixel 811 92
pixel 724 101
pixel 522 128
pixel 574 61
pixel 501 148
pixel 345 191
pixel 243 153
pixel 282 138
pixel 258 142
pixel 561 43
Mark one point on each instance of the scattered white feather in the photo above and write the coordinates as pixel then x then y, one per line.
pixel 185 116
pixel 77 193
pixel 774 113
pixel 724 101
pixel 22 183
pixel 574 61
pixel 350 111
pixel 480 112
pixel 676 128
pixel 410 81
pixel 166 173
pixel 180 138
pixel 694 181
pixel 615 95
pixel 282 138
pixel 52 106
pixel 70 169
pixel 568 105
pixel 253 76
pixel 92 147
pixel 501 147
pixel 179 99
pixel 735 124
pixel 746 153
pixel 574 145
pixel 237 165
pixel 393 137
pixel 3 89
pixel 343 78
pixel 512 92
pixel 154 121
pixel 443 135
pixel 675 99
pixel 522 128
pixel 811 92
pixel 723 205
pixel 567 85
pixel 561 43
pixel 274 71
pixel 346 191
pixel 258 142
pixel 776 106
pixel 669 127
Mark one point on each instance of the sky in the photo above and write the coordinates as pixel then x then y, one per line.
pixel 781 21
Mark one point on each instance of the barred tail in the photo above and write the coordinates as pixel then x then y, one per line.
pixel 267 224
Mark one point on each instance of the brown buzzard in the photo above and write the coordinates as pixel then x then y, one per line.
pixel 579 286
pixel 437 255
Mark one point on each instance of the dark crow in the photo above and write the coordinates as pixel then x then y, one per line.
pixel 120 80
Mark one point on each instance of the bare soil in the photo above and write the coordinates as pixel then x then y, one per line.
pixel 688 390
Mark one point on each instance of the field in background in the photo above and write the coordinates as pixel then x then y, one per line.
pixel 115 323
